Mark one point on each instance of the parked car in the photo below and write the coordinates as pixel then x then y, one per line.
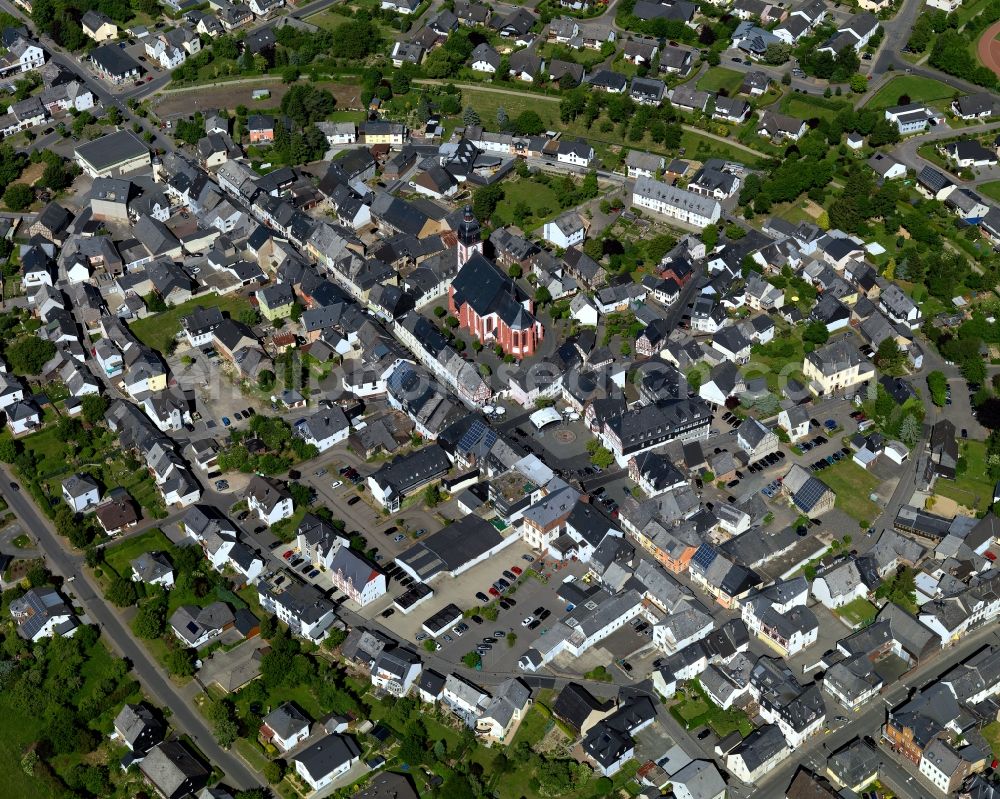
pixel 353 500
pixel 336 484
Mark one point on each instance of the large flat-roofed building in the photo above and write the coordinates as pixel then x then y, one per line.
pixel 114 154
pixel 453 550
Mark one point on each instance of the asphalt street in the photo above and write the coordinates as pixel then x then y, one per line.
pixel 70 566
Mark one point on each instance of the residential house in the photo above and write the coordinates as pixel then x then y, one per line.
pixel 269 500
pixel 333 755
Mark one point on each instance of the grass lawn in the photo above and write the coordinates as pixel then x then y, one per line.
pixel 721 78
pixel 968 10
pixel 540 199
pixel 17 733
pixel 702 147
pixel 158 330
pixel 586 57
pixel 120 556
pixel 48 448
pixel 991 189
pixel 852 485
pixel 301 695
pixel 797 106
pixel 53 465
pixel 534 726
pixel 991 732
pixel 486 104
pixel 327 20
pixel 973 488
pixel 919 89
pixel 858 611
pixel 697 710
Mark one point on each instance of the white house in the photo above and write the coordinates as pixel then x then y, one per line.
pixel 325 428
pixel 285 727
pixel 565 230
pixel 681 629
pixel 839 585
pixel 153 568
pixel 42 613
pixel 757 754
pixel 395 670
pixel 81 492
pixel 680 204
pixel 328 758
pixel 269 500
pixel 756 439
pixel 795 422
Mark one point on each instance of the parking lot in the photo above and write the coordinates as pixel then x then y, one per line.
pixel 529 595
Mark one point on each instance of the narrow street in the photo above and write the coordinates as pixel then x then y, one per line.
pixel 87 594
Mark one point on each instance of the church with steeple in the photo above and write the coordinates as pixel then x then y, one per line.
pixel 486 301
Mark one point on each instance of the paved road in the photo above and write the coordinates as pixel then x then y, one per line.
pixel 100 89
pixel 70 566
pixel 906 150
pixel 869 721
pixel 897 34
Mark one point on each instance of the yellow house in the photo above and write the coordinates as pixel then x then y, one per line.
pixel 382 131
pixel 157 382
pixel 836 367
pixel 276 301
pixel 99 27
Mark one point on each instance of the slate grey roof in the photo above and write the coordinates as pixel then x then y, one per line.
pixel 286 720
pixel 327 754
pixel 170 766
pixel 701 779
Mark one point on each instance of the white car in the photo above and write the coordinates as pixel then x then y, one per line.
pixel 527 621
pixel 336 484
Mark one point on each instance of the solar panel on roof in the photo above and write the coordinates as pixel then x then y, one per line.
pixel 704 556
pixel 807 496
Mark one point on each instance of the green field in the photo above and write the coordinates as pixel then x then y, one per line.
pixel 721 78
pixel 486 104
pixel 327 20
pixel 158 330
pixel 858 612
pixel 973 488
pixel 806 108
pixel 120 556
pixel 695 709
pixel 852 485
pixel 990 189
pixel 991 732
pixel 541 199
pixel 919 90
pixel 17 733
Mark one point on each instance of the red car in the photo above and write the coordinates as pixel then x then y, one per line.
pixel 494 592
pixel 288 554
pixel 517 570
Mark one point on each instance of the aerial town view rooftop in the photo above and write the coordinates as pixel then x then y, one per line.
pixel 537 399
